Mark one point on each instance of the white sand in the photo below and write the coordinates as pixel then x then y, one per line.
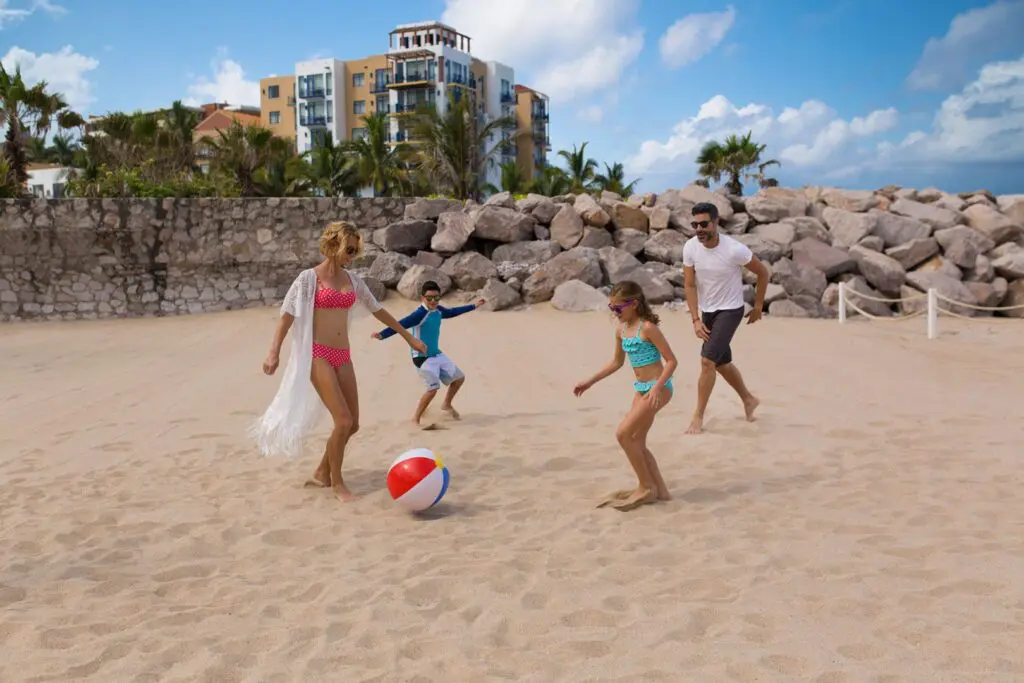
pixel 867 528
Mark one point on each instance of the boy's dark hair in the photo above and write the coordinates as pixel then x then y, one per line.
pixel 627 289
pixel 705 207
pixel 429 286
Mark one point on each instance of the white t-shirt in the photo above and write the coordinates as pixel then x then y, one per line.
pixel 719 272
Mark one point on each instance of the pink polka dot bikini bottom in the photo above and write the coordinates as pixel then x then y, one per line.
pixel 336 357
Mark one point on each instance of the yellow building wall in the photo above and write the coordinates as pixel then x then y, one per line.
pixel 283 104
pixel 361 89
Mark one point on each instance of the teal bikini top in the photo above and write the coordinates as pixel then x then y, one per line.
pixel 640 351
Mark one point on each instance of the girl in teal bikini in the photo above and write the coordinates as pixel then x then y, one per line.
pixel 638 337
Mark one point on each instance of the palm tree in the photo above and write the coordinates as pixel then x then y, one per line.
pixel 24 110
pixel 10 188
pixel 614 180
pixel 512 179
pixel 244 153
pixel 733 158
pixel 378 163
pixel 332 170
pixel 453 145
pixel 551 182
pixel 581 170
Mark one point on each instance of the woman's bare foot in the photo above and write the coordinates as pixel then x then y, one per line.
pixel 635 500
pixel 342 493
pixel 425 426
pixel 696 426
pixel 749 406
pixel 664 495
pixel 618 495
pixel 320 479
pixel 454 414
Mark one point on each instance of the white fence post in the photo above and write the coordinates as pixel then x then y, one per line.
pixel 933 314
pixel 842 303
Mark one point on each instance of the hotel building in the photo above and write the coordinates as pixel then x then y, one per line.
pixel 425 62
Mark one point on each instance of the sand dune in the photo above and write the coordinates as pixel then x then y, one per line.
pixel 867 528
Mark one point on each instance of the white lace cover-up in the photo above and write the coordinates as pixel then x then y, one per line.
pixel 296 407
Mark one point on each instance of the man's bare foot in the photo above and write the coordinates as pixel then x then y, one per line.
pixel 425 426
pixel 749 406
pixel 664 496
pixel 635 500
pixel 618 495
pixel 320 479
pixel 342 493
pixel 451 412
pixel 696 426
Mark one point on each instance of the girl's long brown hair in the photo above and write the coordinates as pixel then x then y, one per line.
pixel 627 289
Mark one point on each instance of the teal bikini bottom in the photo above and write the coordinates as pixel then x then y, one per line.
pixel 643 387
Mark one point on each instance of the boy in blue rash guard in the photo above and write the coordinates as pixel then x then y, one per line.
pixel 434 367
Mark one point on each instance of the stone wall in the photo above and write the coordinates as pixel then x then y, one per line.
pixel 77 258
pixel 82 258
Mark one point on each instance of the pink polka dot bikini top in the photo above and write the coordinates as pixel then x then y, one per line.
pixel 326 297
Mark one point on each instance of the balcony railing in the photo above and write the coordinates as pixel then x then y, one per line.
pixel 312 93
pixel 539 115
pixel 313 120
pixel 411 107
pixel 416 77
pixel 507 97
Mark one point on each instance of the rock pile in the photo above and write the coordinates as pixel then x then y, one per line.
pixel 892 243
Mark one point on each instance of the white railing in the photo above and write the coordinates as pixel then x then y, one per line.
pixel 931 309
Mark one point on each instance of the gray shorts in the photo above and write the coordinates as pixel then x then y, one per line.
pixel 722 325
pixel 438 370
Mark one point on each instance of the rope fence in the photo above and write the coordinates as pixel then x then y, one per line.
pixel 931 309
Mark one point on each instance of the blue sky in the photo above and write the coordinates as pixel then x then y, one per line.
pixel 846 93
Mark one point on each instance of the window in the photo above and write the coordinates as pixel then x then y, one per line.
pixel 357 80
pixel 58 190
pixel 383 105
pixel 359 107
pixel 273 92
pixel 37 190
pixel 275 118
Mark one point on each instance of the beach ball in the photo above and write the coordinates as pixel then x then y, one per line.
pixel 417 479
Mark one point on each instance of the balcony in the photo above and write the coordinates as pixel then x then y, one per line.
pixel 312 121
pixel 539 115
pixel 377 87
pixel 411 80
pixel 508 97
pixel 411 107
pixel 313 93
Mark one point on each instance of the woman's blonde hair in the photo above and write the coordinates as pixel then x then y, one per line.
pixel 334 237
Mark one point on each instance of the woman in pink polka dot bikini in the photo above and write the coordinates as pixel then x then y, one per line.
pixel 323 301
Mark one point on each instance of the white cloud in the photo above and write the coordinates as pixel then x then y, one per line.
pixel 812 135
pixel 979 32
pixel 228 85
pixel 10 15
pixel 694 36
pixel 591 114
pixel 64 71
pixel 983 123
pixel 564 48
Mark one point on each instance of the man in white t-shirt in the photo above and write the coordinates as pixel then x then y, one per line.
pixel 713 268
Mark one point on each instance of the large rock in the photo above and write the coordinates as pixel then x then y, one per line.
pixel 858 285
pixel 453 231
pixel 501 199
pixel 962 245
pixel 915 252
pixel 617 264
pixel 809 226
pixel 696 194
pixel 389 267
pixel 831 261
pixel 407 236
pixel 896 230
pixel 533 252
pixel 576 296
pixel 632 241
pixel 848 228
pixel 947 287
pixel 799 279
pixel 499 296
pixel 469 270
pixel 429 209
pixel 657 290
pixel 665 246
pixel 1014 297
pixel 773 204
pixel 414 278
pixel 783 234
pixel 1012 206
pixel 626 217
pixel 764 250
pixel 882 272
pixel 857 201
pixel 579 263
pixel 590 211
pixel 1010 265
pixel 567 227
pixel 658 217
pixel 933 215
pixel 596 238
pixel 503 225
pixel 992 224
